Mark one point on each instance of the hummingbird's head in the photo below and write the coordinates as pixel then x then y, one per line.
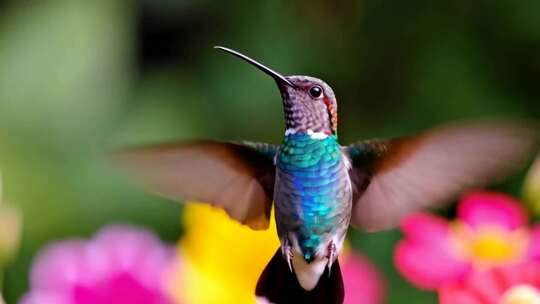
pixel 309 103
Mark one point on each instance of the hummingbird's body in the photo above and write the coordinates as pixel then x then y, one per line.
pixel 312 191
pixel 313 199
pixel 318 186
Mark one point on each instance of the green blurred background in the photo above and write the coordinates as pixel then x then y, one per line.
pixel 79 78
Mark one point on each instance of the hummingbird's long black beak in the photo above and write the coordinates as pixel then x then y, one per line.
pixel 277 76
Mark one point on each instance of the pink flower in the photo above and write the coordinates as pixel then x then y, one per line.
pixel 363 282
pixel 491 230
pixel 121 264
pixel 517 284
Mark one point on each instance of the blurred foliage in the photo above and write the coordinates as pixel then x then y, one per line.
pixel 10 233
pixel 79 78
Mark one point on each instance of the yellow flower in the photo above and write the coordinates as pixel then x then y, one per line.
pixel 221 259
pixel 531 188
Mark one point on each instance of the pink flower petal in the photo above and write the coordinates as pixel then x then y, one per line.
pixel 59 266
pixel 121 289
pixel 428 267
pixel 363 283
pixel 489 286
pixel 425 257
pixel 125 248
pixel 533 252
pixel 122 263
pixel 43 297
pixel 486 285
pixel 491 208
pixel 457 295
pixel 425 228
pixel 523 273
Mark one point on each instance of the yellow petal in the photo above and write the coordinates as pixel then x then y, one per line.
pixel 222 258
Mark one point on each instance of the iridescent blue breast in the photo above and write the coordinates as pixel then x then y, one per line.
pixel 313 192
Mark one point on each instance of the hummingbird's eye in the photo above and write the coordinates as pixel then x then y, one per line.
pixel 316 92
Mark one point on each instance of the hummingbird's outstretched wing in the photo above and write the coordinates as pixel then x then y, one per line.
pixel 397 176
pixel 238 177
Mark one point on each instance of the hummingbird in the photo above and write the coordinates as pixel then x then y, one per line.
pixel 319 187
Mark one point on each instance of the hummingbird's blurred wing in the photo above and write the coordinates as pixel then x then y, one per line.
pixel 395 177
pixel 236 177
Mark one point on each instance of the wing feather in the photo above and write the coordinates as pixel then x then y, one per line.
pixel 428 170
pixel 237 177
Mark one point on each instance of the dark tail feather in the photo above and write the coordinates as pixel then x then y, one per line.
pixel 279 285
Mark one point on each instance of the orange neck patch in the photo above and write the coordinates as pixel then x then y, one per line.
pixel 332 113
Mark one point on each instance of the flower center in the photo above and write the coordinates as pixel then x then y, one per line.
pixel 492 247
pixel 489 245
pixel 521 294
